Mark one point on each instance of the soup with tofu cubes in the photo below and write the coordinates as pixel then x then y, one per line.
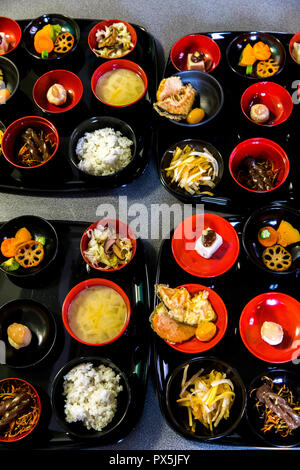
pixel 119 87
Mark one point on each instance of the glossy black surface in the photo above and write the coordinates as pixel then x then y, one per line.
pixel 236 287
pixel 130 352
pixel 231 127
pixel 41 324
pixel 61 176
pixel 262 217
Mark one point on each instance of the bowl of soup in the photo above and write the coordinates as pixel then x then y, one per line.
pixel 119 83
pixel 96 312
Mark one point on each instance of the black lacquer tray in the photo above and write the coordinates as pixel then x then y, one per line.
pixel 230 127
pixel 60 175
pixel 130 352
pixel 236 287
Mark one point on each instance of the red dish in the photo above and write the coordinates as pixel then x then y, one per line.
pixel 12 32
pixel 281 309
pixel 194 346
pixel 100 26
pixel 17 127
pixel 68 80
pixel 192 43
pixel 259 147
pixel 118 64
pixel 85 285
pixel 120 228
pixel 184 239
pixel 274 96
pixel 295 38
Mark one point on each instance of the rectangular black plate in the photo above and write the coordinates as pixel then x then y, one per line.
pixel 231 127
pixel 60 175
pixel 130 352
pixel 236 287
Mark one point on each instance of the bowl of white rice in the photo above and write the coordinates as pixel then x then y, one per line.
pixel 90 397
pixel 103 148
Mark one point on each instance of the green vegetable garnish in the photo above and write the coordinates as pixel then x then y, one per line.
pixel 249 69
pixel 55 31
pixel 264 234
pixel 10 265
pixel 45 54
pixel 42 240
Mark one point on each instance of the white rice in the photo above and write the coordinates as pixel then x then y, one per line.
pixel 91 395
pixel 103 152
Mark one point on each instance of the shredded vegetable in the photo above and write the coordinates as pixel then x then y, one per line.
pixel 191 169
pixel 208 398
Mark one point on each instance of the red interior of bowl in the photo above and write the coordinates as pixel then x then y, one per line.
pixel 120 228
pixel 278 308
pixel 192 43
pixel 92 34
pixel 17 127
pixel 118 64
pixel 259 148
pixel 12 32
pixel 195 346
pixel 68 80
pixel 274 96
pixel 295 38
pixel 85 285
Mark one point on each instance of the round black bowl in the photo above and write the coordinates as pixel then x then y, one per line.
pixel 209 97
pixel 178 416
pixel 99 122
pixel 77 430
pixel 256 421
pixel 38 227
pixel 270 215
pixel 10 75
pixel 67 24
pixel 172 187
pixel 41 324
pixel 236 46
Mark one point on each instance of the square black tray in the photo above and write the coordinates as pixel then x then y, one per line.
pixel 60 175
pixel 231 127
pixel 130 352
pixel 236 287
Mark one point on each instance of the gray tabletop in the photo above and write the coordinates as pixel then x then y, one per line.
pixel 166 20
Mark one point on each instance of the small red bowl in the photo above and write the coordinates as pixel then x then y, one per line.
pixel 295 38
pixel 194 346
pixel 100 26
pixel 12 32
pixel 120 228
pixel 68 80
pixel 16 128
pixel 118 64
pixel 17 381
pixel 190 44
pixel 86 285
pixel 274 96
pixel 281 309
pixel 186 235
pixel 259 147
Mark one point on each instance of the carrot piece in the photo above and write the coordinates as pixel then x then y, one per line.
pixel 23 235
pixel 8 247
pixel 261 51
pixel 267 236
pixel 43 43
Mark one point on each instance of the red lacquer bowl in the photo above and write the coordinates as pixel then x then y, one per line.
pixel 101 26
pixel 12 32
pixel 295 38
pixel 190 44
pixel 274 96
pixel 195 346
pixel 118 64
pixel 85 285
pixel 260 148
pixel 15 129
pixel 279 308
pixel 184 240
pixel 68 80
pixel 120 228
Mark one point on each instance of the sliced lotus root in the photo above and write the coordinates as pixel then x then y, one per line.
pixel 64 43
pixel 277 258
pixel 29 254
pixel 267 68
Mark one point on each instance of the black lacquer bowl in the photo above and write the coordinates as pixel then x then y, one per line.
pixel 178 414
